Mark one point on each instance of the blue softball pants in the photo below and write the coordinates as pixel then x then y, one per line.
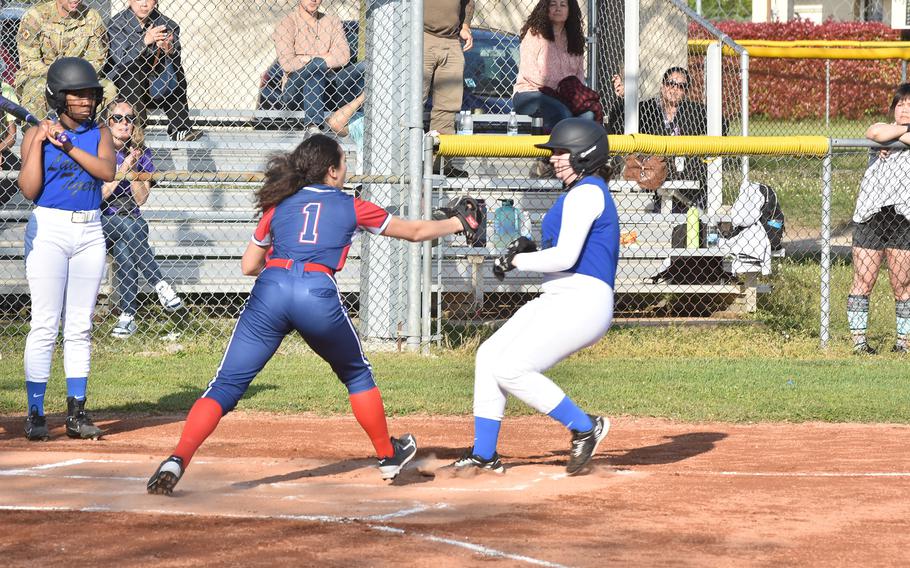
pixel 283 301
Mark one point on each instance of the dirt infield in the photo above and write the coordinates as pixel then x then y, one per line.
pixel 282 490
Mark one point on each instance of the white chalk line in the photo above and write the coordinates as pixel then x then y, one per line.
pixel 331 519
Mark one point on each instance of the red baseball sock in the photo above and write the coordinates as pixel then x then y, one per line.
pixel 200 423
pixel 370 413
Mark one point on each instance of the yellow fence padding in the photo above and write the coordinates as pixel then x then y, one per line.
pixel 787 50
pixel 454 146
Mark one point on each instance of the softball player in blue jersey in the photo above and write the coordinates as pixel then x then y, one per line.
pixel 578 256
pixel 64 245
pixel 301 241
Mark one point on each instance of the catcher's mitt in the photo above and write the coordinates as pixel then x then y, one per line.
pixel 467 209
pixel 504 264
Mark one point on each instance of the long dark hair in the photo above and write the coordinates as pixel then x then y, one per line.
pixel 902 92
pixel 306 164
pixel 539 23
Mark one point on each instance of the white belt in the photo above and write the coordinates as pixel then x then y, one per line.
pixel 73 216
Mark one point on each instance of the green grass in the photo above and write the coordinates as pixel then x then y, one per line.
pixel 738 374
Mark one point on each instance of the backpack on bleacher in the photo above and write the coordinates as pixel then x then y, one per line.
pixel 772 217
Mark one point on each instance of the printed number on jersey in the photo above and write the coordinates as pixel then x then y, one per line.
pixel 310 233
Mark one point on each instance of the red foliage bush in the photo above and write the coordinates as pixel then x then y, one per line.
pixel 795 88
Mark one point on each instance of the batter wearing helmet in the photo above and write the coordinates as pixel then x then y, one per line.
pixel 306 229
pixel 64 245
pixel 578 256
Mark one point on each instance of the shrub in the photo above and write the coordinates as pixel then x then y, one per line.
pixel 792 89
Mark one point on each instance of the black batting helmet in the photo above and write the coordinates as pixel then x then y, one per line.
pixel 70 74
pixel 585 140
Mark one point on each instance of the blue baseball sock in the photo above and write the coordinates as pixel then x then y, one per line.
pixel 486 435
pixel 35 393
pixel 570 416
pixel 75 387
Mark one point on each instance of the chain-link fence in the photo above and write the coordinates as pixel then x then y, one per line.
pixel 215 89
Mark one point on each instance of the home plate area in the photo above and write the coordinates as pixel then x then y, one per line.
pixel 301 489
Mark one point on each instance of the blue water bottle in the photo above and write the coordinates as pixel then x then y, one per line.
pixel 506 224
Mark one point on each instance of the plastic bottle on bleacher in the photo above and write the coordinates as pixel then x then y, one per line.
pixel 712 236
pixel 506 224
pixel 693 229
pixel 512 126
pixel 465 123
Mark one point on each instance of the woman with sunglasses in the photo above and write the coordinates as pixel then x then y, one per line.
pixel 671 113
pixel 126 232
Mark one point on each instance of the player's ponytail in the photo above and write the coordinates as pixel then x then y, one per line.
pixel 307 164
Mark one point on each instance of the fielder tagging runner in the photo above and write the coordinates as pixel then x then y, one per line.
pixel 64 245
pixel 580 248
pixel 301 241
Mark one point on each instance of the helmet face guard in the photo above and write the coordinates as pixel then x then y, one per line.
pixel 71 74
pixel 584 140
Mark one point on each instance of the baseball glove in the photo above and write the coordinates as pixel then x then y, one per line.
pixel 467 209
pixel 504 264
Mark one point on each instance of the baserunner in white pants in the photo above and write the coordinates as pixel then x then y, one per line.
pixel 579 250
pixel 63 167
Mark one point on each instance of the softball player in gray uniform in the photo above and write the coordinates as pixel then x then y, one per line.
pixel 580 247
pixel 63 166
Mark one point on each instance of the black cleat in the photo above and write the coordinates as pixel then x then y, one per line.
pixel 471 461
pixel 36 426
pixel 166 476
pixel 405 450
pixel 899 348
pixel 584 444
pixel 78 422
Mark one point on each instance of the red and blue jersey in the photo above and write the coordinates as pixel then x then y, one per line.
pixel 317 225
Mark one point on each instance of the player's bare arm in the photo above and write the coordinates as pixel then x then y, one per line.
pixel 417 231
pixel 104 165
pixel 31 176
pixel 253 260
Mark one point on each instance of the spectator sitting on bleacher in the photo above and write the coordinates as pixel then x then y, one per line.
pixel 552 50
pixel 8 160
pixel 126 232
pixel 313 51
pixel 145 65
pixel 49 31
pixel 672 114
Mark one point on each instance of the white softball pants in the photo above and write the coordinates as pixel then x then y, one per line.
pixel 573 312
pixel 64 265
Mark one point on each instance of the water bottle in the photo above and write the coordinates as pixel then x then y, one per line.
pixel 537 126
pixel 692 228
pixel 460 123
pixel 506 224
pixel 512 126
pixel 713 235
pixel 467 123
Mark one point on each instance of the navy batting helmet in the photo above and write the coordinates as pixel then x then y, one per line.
pixel 70 74
pixel 584 140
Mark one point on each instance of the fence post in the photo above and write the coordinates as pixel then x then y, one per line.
pixel 415 169
pixel 426 267
pixel 744 79
pixel 827 93
pixel 631 72
pixel 714 96
pixel 825 262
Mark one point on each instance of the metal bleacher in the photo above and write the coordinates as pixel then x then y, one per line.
pixel 199 229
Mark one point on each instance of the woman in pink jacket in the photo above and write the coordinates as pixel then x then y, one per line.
pixel 552 48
